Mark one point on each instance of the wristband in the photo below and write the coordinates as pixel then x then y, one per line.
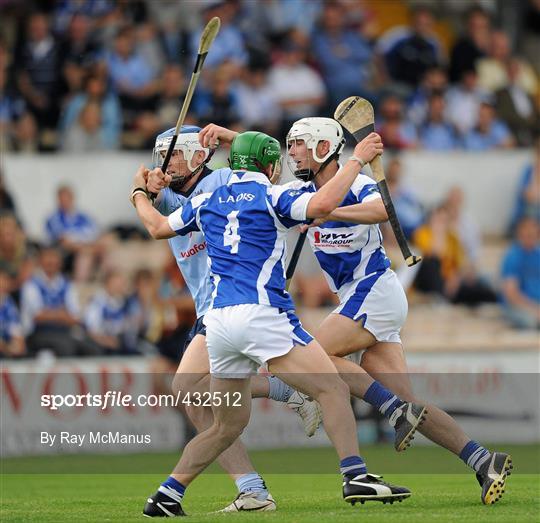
pixel 138 190
pixel 359 160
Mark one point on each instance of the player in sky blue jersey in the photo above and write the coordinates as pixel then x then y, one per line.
pixel 373 305
pixel 189 177
pixel 251 321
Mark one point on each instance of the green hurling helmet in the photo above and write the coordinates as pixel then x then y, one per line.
pixel 255 151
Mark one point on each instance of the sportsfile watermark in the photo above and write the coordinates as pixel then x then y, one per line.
pixel 116 398
pixel 128 421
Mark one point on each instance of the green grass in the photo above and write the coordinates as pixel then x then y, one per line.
pixel 310 497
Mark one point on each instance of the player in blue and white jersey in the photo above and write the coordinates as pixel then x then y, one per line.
pixel 188 176
pixel 251 321
pixel 373 305
pixel 11 338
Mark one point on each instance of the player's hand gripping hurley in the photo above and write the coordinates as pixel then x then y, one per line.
pixel 207 38
pixel 356 115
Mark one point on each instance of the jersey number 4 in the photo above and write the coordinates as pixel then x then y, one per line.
pixel 231 236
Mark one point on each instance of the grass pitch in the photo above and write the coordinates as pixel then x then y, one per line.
pixel 309 497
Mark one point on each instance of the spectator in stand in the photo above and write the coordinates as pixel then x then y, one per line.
pixel 219 104
pixel 257 103
pixel 528 198
pixel 517 108
pixel 492 70
pixel 38 66
pixel 463 225
pixel 530 36
pixel 409 52
pixel 173 19
pixel 11 338
pixel 521 277
pixel 150 47
pixel 229 44
pixel 132 76
pixel 95 92
pixel 445 271
pixel 149 124
pixel 276 18
pixel 50 309
pixel 396 132
pixel 345 57
pixel 81 51
pixel 16 255
pixel 463 102
pixel 85 135
pixel 408 207
pixel 25 135
pixel 12 108
pixel 75 233
pixel 437 133
pixel 472 46
pixel 489 133
pixel 66 10
pixel 145 313
pixel 107 317
pixel 298 87
pixel 434 81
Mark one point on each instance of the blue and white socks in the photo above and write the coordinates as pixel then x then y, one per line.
pixel 172 488
pixel 352 466
pixel 279 390
pixel 382 399
pixel 252 482
pixel 474 455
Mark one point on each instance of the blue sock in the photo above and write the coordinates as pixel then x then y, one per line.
pixel 352 466
pixel 172 488
pixel 279 391
pixel 252 482
pixel 474 455
pixel 381 398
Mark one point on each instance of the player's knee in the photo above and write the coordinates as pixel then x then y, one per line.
pixel 197 416
pixel 229 430
pixel 333 387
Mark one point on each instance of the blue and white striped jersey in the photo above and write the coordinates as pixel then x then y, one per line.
pixel 348 252
pixel 245 224
pixel 10 322
pixel 190 251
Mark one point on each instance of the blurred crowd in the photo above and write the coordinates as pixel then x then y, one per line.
pixel 86 75
pixel 72 296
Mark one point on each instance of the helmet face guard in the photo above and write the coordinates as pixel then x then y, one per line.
pixel 188 143
pixel 312 131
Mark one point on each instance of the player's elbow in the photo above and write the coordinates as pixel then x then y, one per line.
pixel 158 233
pixel 320 207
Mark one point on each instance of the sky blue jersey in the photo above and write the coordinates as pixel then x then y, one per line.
pixel 245 224
pixel 190 251
pixel 348 252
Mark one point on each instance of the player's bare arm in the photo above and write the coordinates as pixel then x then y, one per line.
pixel 332 193
pixel 212 135
pixel 365 213
pixel 154 222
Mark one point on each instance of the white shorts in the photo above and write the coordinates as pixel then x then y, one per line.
pixel 378 301
pixel 242 338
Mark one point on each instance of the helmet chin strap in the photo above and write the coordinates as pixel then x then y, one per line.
pixel 307 175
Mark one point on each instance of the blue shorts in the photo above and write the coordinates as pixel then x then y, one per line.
pixel 198 328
